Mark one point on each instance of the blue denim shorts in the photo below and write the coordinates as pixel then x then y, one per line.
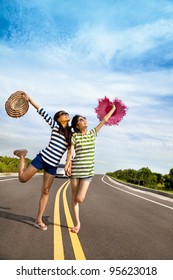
pixel 39 164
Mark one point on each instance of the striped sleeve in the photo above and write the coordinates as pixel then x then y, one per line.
pixel 47 117
pixel 73 139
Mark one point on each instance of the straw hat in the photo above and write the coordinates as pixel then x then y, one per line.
pixel 105 105
pixel 16 105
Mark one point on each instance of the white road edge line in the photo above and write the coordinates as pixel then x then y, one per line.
pixel 3 180
pixel 136 195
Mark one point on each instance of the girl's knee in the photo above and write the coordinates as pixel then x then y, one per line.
pixel 46 191
pixel 25 177
pixel 22 179
pixel 80 199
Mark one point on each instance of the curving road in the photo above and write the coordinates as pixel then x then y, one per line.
pixel 118 223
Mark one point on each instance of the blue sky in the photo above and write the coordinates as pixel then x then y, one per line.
pixel 66 54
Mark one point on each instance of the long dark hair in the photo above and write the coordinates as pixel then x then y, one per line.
pixel 66 131
pixel 74 123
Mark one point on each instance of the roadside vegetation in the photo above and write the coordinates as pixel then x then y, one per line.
pixel 9 164
pixel 146 178
pixel 142 177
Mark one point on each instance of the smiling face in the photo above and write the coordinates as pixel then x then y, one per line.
pixel 62 117
pixel 81 123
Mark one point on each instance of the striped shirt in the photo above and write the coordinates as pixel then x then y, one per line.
pixel 83 162
pixel 57 146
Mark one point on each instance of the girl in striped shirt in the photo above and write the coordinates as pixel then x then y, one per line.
pixel 82 169
pixel 48 158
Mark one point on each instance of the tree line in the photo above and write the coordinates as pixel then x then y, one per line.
pixel 145 177
pixel 142 177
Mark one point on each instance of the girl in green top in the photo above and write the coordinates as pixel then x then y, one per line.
pixel 82 168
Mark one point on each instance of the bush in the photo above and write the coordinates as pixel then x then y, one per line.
pixel 144 177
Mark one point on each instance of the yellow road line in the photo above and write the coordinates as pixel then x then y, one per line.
pixel 77 248
pixel 58 242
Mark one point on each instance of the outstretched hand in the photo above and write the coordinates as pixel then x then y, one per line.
pixel 113 106
pixel 106 118
pixel 26 96
pixel 31 101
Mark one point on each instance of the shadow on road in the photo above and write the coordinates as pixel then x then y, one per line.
pixel 58 225
pixel 24 219
pixel 16 217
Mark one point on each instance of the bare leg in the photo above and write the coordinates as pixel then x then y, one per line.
pixel 75 204
pixel 83 188
pixel 79 190
pixel 25 173
pixel 47 183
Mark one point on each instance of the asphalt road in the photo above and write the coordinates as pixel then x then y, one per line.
pixel 118 223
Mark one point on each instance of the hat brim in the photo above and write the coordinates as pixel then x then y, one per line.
pixel 16 105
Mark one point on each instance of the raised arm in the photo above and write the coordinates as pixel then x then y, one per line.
pixel 41 111
pixel 30 100
pixel 106 118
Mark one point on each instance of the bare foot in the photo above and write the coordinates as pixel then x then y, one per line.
pixel 75 229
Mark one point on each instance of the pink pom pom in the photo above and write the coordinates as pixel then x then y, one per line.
pixel 105 105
